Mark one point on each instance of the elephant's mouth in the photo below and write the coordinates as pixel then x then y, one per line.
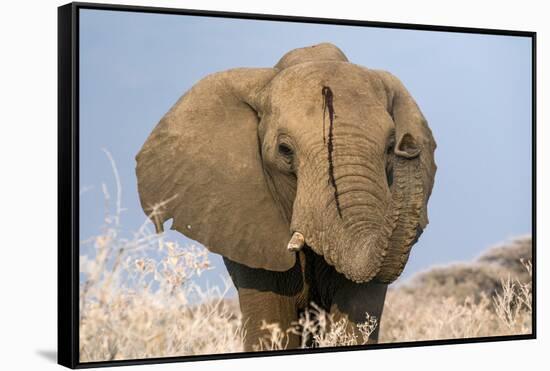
pixel 298 243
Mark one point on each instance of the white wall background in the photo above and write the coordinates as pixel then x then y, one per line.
pixel 28 181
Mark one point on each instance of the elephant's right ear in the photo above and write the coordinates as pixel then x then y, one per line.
pixel 201 166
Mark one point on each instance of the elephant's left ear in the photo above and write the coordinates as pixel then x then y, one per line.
pixel 413 135
pixel 201 167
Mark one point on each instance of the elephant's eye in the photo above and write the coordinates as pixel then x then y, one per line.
pixel 285 150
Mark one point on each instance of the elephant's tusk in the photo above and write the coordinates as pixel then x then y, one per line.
pixel 296 242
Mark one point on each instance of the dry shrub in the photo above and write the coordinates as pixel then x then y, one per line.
pixel 137 307
pixel 477 279
pixel 138 298
pixel 510 255
pixel 513 305
pixel 323 330
pixel 317 329
pixel 489 297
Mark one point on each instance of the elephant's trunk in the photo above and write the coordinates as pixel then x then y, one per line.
pixel 351 222
pixel 367 219
pixel 364 227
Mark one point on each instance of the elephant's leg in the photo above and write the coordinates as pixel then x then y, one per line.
pixel 352 301
pixel 269 296
pixel 258 306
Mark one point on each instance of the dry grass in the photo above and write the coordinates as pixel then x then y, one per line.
pixel 138 299
pixel 317 328
pixel 136 307
pixel 412 313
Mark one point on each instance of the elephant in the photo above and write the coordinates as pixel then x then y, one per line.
pixel 310 178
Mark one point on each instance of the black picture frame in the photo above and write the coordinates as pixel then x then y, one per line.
pixel 68 176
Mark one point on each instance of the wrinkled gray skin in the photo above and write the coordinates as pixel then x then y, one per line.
pixel 316 145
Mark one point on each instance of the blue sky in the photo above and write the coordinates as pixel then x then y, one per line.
pixel 475 91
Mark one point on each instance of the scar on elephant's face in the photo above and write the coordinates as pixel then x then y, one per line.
pixel 328 105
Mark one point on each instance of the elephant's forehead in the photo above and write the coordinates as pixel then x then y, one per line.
pixel 297 92
pixel 302 85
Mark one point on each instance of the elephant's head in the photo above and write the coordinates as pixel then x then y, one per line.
pixel 315 145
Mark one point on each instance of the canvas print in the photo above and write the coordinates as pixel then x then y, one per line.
pixel 258 185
